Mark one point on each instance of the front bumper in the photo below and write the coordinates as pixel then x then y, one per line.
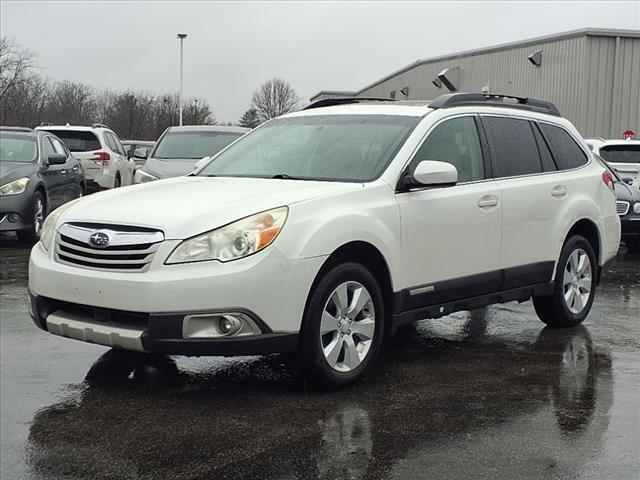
pixel 156 333
pixel 21 204
pixel 630 226
pixel 268 285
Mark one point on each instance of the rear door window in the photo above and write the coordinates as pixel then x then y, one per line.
pixel 566 152
pixel 621 153
pixel 514 151
pixel 456 142
pixel 111 143
pixel 78 141
pixel 116 143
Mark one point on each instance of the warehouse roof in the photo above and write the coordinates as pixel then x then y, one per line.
pixel 597 32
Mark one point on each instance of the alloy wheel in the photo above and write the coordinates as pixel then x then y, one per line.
pixel 347 326
pixel 38 216
pixel 577 281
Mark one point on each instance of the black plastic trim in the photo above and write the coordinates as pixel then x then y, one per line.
pixel 330 102
pixel 458 289
pixel 435 311
pixel 257 345
pixel 494 100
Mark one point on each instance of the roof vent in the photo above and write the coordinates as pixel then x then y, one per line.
pixel 450 78
pixel 405 90
pixel 437 82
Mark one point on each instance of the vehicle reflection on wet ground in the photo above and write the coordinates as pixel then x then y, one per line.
pixel 482 394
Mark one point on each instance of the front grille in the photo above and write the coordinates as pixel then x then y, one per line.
pixel 133 319
pixel 128 249
pixel 622 208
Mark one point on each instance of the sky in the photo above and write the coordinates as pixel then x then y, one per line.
pixel 232 47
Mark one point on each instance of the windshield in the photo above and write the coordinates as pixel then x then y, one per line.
pixel 78 141
pixel 193 144
pixel 621 153
pixel 18 148
pixel 338 147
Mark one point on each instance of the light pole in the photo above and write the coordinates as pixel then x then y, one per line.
pixel 181 36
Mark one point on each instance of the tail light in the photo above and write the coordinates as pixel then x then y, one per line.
pixel 607 178
pixel 101 157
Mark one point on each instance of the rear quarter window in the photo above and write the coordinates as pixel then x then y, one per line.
pixel 513 146
pixel 566 152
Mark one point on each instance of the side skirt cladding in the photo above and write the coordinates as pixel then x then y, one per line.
pixel 475 291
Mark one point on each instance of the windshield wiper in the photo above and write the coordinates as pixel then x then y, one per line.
pixel 284 176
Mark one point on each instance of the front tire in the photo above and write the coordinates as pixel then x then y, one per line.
pixel 342 327
pixel 38 214
pixel 574 286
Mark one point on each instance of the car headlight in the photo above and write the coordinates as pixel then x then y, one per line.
pixel 143 177
pixel 236 240
pixel 49 225
pixel 16 187
pixel 636 207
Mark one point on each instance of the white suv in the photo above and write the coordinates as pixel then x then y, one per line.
pixel 324 230
pixel 103 157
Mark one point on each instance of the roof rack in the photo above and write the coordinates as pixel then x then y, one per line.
pixel 17 129
pixel 494 100
pixel 100 125
pixel 46 124
pixel 330 102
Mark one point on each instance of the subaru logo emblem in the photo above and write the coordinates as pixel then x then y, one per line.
pixel 99 239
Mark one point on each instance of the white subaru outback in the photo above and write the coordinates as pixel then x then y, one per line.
pixel 324 230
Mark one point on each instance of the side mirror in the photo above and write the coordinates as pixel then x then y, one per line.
pixel 141 153
pixel 56 159
pixel 433 172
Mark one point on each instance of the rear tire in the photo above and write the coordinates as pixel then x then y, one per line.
pixel 342 328
pixel 574 286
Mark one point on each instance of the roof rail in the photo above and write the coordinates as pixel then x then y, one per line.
pixel 330 102
pixel 494 100
pixel 17 129
pixel 100 125
pixel 46 124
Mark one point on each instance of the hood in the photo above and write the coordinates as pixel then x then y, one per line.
pixel 186 206
pixel 627 193
pixel 10 171
pixel 172 167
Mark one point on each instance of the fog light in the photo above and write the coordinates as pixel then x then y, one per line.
pixel 229 325
pixel 13 217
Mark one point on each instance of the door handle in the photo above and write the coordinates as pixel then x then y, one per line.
pixel 63 172
pixel 488 201
pixel 559 191
pixel 75 169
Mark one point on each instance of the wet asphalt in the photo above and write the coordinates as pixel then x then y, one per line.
pixel 483 394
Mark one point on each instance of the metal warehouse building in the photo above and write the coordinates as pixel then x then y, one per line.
pixel 592 75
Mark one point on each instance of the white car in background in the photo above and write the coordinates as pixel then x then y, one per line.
pixel 180 150
pixel 623 155
pixel 103 157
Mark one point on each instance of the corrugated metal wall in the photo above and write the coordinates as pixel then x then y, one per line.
pixel 577 74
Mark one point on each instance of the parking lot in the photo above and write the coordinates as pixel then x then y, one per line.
pixel 486 394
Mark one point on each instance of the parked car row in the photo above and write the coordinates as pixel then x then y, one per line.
pixel 34 179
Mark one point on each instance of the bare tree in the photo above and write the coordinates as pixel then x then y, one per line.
pixel 72 103
pixel 196 111
pixel 15 65
pixel 275 97
pixel 249 119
